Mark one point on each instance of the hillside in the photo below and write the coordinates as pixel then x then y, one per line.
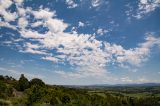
pixel 36 93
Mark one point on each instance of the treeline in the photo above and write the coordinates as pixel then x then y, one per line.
pixel 36 93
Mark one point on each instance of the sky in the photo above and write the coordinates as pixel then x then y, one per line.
pixel 81 42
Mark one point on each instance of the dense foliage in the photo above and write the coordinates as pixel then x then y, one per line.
pixel 23 83
pixel 36 93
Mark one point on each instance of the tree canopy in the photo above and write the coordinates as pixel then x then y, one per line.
pixel 23 83
pixel 36 81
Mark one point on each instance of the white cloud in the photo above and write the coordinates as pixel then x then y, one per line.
pixel 21 11
pixel 78 49
pixel 4 4
pixel 143 1
pixel 151 41
pixel 43 14
pixel 22 22
pixel 133 56
pixel 71 4
pixel 53 59
pixel 81 24
pixel 36 24
pixel 145 7
pixel 84 51
pixel 7 15
pixel 32 46
pixel 5 24
pixel 56 25
pixel 33 51
pixel 101 31
pixel 95 3
pixel 31 34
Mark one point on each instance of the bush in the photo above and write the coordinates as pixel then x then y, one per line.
pixel 65 99
pixel 53 101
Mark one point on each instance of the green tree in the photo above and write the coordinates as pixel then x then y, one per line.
pixel 23 83
pixel 2 78
pixel 37 81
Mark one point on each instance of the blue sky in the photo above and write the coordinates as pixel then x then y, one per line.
pixel 81 41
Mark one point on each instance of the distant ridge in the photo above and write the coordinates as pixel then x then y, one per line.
pixel 114 85
pixel 135 84
pixel 142 84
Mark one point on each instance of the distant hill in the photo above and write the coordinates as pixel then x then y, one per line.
pixel 142 84
pixel 102 86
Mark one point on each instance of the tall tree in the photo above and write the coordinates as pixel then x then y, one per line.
pixel 23 83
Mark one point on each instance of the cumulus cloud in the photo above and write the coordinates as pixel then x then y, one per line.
pixel 56 25
pixel 7 15
pixel 21 11
pixel 133 56
pixel 22 22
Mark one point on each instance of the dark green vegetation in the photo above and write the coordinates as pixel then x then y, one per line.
pixel 37 93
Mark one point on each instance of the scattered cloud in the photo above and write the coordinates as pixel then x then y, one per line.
pixel 101 31
pixel 95 3
pixel 49 58
pixel 43 14
pixel 90 55
pixel 5 24
pixel 144 7
pixel 81 24
pixel 71 4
